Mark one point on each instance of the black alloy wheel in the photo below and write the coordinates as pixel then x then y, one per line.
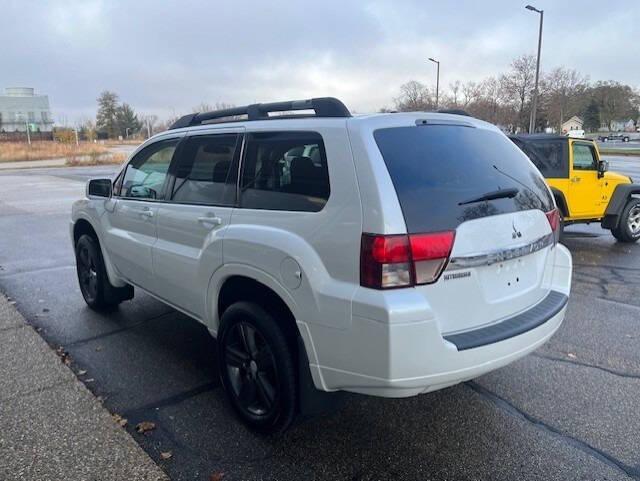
pixel 257 368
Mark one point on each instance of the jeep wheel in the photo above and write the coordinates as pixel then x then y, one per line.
pixel 257 368
pixel 628 229
pixel 96 289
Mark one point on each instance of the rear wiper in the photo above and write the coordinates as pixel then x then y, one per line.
pixel 496 194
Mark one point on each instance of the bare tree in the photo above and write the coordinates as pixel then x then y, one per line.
pixel 471 92
pixel 517 85
pixel 414 96
pixel 563 94
pixel 453 99
pixel 207 107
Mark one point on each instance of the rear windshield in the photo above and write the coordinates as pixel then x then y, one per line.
pixel 435 168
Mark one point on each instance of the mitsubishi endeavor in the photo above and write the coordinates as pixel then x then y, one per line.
pixel 388 254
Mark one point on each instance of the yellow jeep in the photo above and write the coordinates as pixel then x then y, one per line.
pixel 584 190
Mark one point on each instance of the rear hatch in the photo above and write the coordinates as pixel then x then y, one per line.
pixel 474 181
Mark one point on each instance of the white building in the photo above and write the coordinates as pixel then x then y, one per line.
pixel 574 123
pixel 21 107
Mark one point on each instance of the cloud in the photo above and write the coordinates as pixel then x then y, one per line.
pixel 165 57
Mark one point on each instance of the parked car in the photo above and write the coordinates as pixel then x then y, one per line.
pixel 330 253
pixel 584 189
pixel 612 137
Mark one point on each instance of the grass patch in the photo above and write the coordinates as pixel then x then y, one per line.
pixel 96 159
pixel 621 152
pixel 19 151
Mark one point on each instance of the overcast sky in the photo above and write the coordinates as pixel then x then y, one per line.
pixel 163 56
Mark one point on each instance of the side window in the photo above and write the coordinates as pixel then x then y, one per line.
pixel 584 157
pixel 146 173
pixel 204 170
pixel 549 156
pixel 285 171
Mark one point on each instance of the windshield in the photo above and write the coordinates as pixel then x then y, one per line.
pixel 435 169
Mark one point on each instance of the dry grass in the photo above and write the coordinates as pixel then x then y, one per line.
pixel 100 159
pixel 18 151
pixel 87 153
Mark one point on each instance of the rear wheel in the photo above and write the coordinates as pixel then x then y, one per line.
pixel 628 229
pixel 257 368
pixel 96 289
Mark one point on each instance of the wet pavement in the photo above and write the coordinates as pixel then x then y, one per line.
pixel 567 411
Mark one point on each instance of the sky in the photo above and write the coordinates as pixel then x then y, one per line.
pixel 166 57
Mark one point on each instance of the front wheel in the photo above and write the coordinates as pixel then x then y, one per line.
pixel 96 289
pixel 257 368
pixel 628 229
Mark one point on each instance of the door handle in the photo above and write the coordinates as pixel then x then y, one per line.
pixel 210 220
pixel 575 179
pixel 148 213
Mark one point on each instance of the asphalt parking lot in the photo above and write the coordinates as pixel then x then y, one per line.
pixel 568 411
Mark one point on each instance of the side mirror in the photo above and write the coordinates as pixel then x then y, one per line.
pixel 603 166
pixel 99 188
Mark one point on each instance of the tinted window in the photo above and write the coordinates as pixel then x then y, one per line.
pixel 204 168
pixel 285 171
pixel 584 158
pixel 548 155
pixel 434 168
pixel 146 173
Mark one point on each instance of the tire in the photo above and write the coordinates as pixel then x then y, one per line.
pixel 628 229
pixel 95 287
pixel 625 139
pixel 257 368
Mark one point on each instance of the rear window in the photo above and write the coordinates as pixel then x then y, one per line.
pixel 435 168
pixel 548 155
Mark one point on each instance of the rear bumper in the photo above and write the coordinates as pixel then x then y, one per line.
pixel 400 359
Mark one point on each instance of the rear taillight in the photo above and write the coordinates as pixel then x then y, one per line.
pixel 388 261
pixel 553 216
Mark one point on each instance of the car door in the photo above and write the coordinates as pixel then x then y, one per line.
pixel 584 184
pixel 191 225
pixel 130 219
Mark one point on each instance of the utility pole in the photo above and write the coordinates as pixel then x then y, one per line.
pixel 75 130
pixel 534 104
pixel 148 129
pixel 26 124
pixel 437 79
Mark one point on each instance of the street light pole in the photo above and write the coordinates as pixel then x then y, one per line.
pixel 534 105
pixel 437 79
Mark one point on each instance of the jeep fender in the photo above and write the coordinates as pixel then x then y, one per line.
pixel 561 201
pixel 619 199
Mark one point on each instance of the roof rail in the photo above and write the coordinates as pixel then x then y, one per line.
pixel 323 107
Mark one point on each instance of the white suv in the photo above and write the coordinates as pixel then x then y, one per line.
pixel 388 254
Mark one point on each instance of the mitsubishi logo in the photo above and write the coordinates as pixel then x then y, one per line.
pixel 516 233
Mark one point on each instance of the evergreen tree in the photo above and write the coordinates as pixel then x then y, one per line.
pixel 128 121
pixel 106 118
pixel 592 116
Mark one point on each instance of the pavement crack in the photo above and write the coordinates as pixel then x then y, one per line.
pixel 172 400
pixel 12 328
pixel 115 331
pixel 24 394
pixel 615 372
pixel 620 303
pixel 513 410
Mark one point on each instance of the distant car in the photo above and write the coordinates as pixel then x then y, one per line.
pixel 610 137
pixel 576 134
pixel 389 254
